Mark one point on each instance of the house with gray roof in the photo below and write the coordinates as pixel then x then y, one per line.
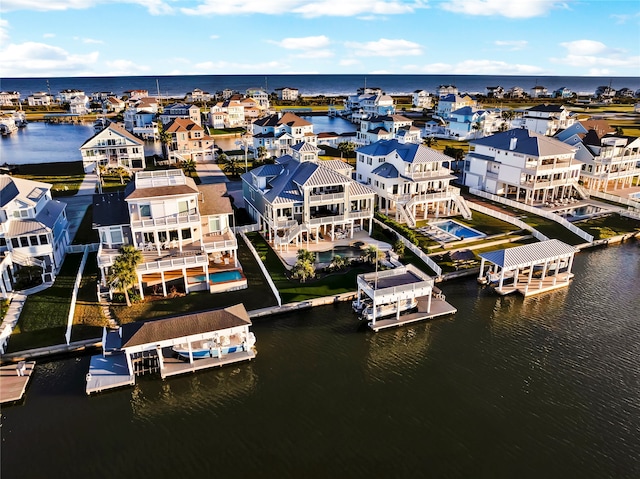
pixel 278 132
pixel 184 231
pixel 523 165
pixel 388 127
pixel 368 102
pixel 112 147
pixel 546 119
pixel 34 230
pixel 301 197
pixel 410 180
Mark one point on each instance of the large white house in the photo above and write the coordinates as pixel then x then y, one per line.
pixel 303 198
pixel 227 114
pixel 421 99
pixel 287 93
pixel 368 102
pixel 280 131
pixel 609 161
pixel 469 122
pixel 410 180
pixel 33 229
pixel 112 147
pixel 180 110
pixel 546 119
pixel 523 165
pixel 388 127
pixel 183 230
pixel 452 102
pixel 141 118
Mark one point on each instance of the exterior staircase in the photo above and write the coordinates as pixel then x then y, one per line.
pixel 582 191
pixel 290 234
pixel 406 214
pixel 465 211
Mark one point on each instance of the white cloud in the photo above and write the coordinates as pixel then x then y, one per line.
pixel 48 35
pixel 35 59
pixel 124 68
pixel 475 67
pixel 504 8
pixel 155 7
pixel 599 72
pixel 314 54
pixel 89 40
pixel 594 56
pixel 224 67
pixel 384 48
pixel 303 43
pixel 349 62
pixel 306 8
pixel 4 34
pixel 512 44
pixel 214 37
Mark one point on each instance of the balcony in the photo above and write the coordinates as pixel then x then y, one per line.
pixel 426 175
pixel 327 198
pixel 172 220
pixel 222 241
pixel 169 259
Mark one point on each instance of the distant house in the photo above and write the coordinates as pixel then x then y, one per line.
pixel 136 94
pixel 141 118
pixel 34 230
pixel 421 99
pixel 333 139
pixel 515 92
pixel 65 96
pixel 114 104
pixel 113 147
pixel 9 98
pixel 605 92
pixel 259 95
pixel 79 105
pixel 278 132
pixel 547 119
pixel 539 91
pixel 198 95
pixel 562 92
pixel 227 114
pixel 468 122
pixel 39 99
pixel 181 110
pixel 368 102
pixel 287 93
pixel 189 142
pixel 388 127
pixel 444 90
pixel 102 96
pixel 453 102
pixel 624 93
pixel 409 180
pixel 495 92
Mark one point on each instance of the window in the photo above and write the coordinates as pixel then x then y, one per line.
pixel 14 242
pixel 33 240
pixel 183 207
pixel 173 235
pixel 186 233
pixel 24 241
pixel 3 242
pixel 116 235
pixel 145 211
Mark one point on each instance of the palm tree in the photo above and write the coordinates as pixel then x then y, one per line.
pixel 476 127
pixel 305 255
pixel 165 139
pixel 121 171
pixel 429 141
pixel 262 152
pixel 123 271
pixel 188 166
pixel 372 254
pixel 346 148
pixel 230 164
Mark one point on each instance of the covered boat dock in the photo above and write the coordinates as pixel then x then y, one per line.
pixel 172 346
pixel 390 292
pixel 528 269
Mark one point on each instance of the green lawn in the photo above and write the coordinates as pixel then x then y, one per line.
pixel 607 226
pixel 65 177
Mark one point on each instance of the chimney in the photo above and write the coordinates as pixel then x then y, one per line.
pixel 512 143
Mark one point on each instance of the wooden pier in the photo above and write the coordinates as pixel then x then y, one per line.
pixel 439 307
pixel 537 285
pixel 14 379
pixel 174 366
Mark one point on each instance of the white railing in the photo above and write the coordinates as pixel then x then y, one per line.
pixel 462 206
pixel 172 263
pixel 4 337
pixel 26 260
pixel 74 294
pixel 422 175
pixel 166 221
pixel 509 219
pixel 616 199
pixel 246 228
pixel 262 268
pixel 356 215
pixel 79 248
pixel 328 220
pixel 414 249
pixel 327 197
pixel 536 211
pixel 220 245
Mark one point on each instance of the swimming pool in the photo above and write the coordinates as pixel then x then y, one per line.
pixel 457 230
pixel 221 277
pixel 580 211
pixel 344 251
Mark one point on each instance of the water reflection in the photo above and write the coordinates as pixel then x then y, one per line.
pixel 206 390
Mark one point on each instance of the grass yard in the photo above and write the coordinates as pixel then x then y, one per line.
pixel 608 226
pixel 65 177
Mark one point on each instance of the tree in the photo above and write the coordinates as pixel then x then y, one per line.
pixel 262 152
pixel 165 139
pixel 188 166
pixel 398 247
pixel 372 254
pixel 121 171
pixel 346 148
pixel 305 255
pixel 476 127
pixel 429 141
pixel 123 271
pixel 230 164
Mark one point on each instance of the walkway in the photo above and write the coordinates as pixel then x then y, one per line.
pixel 209 173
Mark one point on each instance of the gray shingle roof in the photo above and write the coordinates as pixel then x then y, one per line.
pixel 527 143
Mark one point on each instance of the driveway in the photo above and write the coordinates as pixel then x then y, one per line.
pixel 209 173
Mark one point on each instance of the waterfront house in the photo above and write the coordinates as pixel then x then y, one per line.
pixel 134 95
pixel 184 231
pixel 227 114
pixel 39 99
pixel 114 104
pixel 538 91
pixel 609 161
pixel 198 95
pixel 469 122
pixel 495 92
pixel 523 165
pixel 388 127
pixel 260 96
pixel 515 92
pixel 409 180
pixel 421 99
pixel 189 141
pixel 301 197
pixel 9 98
pixel 180 110
pixel 333 139
pixel 113 147
pixel 287 93
pixel 280 131
pixel 33 230
pixel 79 105
pixel 562 92
pixel 65 96
pixel 451 102
pixel 444 90
pixel 368 102
pixel 546 119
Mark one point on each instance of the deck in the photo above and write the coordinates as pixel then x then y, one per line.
pixel 12 385
pixel 108 372
pixel 537 285
pixel 174 366
pixel 439 307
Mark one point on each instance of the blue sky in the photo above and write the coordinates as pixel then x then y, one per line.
pixel 47 38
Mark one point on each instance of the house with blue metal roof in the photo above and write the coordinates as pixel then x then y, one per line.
pixel 523 165
pixel 301 197
pixel 410 180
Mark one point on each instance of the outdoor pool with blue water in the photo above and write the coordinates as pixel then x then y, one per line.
pixel 456 229
pixel 221 277
pixel 349 252
pixel 579 211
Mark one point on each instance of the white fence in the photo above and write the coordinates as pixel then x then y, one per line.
pixel 79 248
pixel 246 228
pixel 414 249
pixel 633 210
pixel 509 219
pixel 262 267
pixel 4 337
pixel 536 211
pixel 74 294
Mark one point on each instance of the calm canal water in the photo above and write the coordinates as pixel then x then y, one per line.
pixel 547 386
